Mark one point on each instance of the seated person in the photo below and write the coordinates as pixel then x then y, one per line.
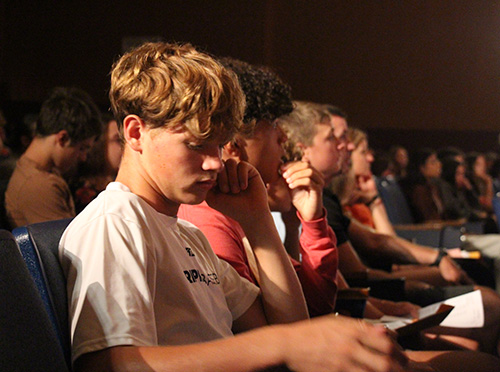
pixel 451 152
pixel 481 181
pixel 495 175
pixel 357 190
pixel 455 190
pixel 458 195
pixel 333 144
pixel 268 98
pixel 398 162
pixel 101 165
pixel 421 186
pixel 66 129
pixel 428 194
pixel 146 291
pixel 359 197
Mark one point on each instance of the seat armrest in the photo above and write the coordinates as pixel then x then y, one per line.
pixel 352 302
pixel 386 289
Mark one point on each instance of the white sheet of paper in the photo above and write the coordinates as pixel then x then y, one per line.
pixel 468 313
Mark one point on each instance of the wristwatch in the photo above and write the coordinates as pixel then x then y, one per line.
pixel 440 256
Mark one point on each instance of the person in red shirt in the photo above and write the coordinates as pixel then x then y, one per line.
pixel 295 188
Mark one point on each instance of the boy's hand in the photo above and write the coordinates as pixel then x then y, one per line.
pixel 401 308
pixel 240 192
pixel 452 272
pixel 306 187
pixel 365 189
pixel 332 343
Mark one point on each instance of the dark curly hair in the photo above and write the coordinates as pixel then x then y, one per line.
pixel 267 96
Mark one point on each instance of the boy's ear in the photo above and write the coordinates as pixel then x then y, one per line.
pixel 62 138
pixel 133 128
pixel 304 150
pixel 236 149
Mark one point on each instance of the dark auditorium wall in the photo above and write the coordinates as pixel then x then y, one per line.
pixel 414 72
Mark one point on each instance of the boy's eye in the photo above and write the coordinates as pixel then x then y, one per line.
pixel 194 146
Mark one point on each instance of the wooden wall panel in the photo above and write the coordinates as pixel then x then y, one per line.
pixel 395 66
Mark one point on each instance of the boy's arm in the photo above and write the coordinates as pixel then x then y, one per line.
pixel 242 196
pixel 318 244
pixel 327 343
pixel 404 251
pixel 318 269
pixel 369 195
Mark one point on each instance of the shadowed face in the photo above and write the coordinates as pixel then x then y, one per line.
pixel 344 146
pixel 431 168
pixel 264 150
pixel 114 147
pixel 361 159
pixel 178 168
pixel 70 155
pixel 324 154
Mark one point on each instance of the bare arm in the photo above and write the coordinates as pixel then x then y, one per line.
pixel 403 251
pixel 380 218
pixel 366 192
pixel 397 249
pixel 242 196
pixel 324 344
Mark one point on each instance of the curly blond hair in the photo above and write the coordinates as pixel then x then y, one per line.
pixel 176 86
pixel 300 126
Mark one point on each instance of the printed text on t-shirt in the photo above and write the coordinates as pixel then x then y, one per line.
pixel 194 276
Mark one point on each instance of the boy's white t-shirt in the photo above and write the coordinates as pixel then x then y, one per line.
pixel 139 277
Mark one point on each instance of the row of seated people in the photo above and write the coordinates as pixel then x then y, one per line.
pixel 129 228
pixel 463 185
pixel 355 240
pixel 438 196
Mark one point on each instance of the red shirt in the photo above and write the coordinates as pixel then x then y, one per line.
pixel 317 271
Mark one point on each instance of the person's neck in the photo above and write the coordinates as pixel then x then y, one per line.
pixel 133 178
pixel 40 152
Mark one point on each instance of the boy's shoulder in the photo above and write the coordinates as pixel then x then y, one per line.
pixel 117 204
pixel 28 173
pixel 202 215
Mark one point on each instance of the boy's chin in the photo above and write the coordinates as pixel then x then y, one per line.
pixel 194 199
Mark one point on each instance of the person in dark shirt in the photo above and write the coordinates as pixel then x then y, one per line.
pixel 355 240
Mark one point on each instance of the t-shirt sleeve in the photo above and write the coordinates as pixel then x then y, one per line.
pixel 240 293
pixel 336 218
pixel 223 235
pixel 111 303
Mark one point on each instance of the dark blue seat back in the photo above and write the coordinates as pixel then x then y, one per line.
pixel 400 215
pixel 28 341
pixel 428 237
pixel 395 202
pixel 496 209
pixel 39 247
